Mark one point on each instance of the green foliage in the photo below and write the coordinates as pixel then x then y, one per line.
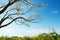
pixel 43 36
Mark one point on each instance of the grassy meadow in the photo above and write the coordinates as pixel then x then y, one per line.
pixel 43 36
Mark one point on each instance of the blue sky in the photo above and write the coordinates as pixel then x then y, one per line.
pixel 51 17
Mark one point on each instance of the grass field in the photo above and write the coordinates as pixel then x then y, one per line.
pixel 43 36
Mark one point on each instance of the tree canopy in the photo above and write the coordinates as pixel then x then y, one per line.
pixel 20 12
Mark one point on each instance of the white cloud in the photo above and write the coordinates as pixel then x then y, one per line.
pixel 17 32
pixel 55 11
pixel 36 32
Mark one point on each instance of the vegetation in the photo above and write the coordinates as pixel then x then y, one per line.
pixel 43 36
pixel 20 12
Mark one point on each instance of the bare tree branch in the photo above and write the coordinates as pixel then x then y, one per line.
pixel 13 21
pixel 3 19
pixel 9 4
pixel 18 12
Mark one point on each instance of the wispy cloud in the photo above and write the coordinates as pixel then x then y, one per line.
pixel 17 32
pixel 55 11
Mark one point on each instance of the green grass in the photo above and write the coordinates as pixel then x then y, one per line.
pixel 43 36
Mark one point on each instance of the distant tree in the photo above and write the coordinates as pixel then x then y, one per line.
pixel 19 11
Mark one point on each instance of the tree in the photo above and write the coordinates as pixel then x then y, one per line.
pixel 13 11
